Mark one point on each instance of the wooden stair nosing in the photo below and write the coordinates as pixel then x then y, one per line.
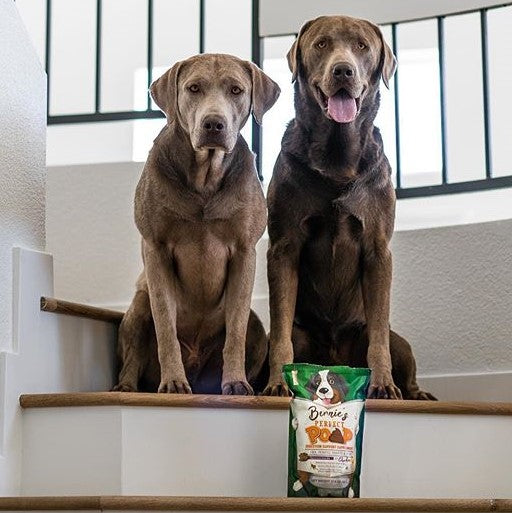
pixel 249 402
pixel 167 503
pixel 53 305
pixel 147 399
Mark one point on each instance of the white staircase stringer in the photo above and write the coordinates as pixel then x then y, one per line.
pixel 49 352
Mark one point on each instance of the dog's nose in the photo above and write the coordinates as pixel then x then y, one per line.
pixel 343 70
pixel 213 124
pixel 323 390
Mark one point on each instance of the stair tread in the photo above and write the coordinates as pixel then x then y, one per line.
pixel 51 304
pixel 252 402
pixel 166 503
pixel 148 399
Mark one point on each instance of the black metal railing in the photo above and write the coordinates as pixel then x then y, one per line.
pixel 445 187
pixel 149 113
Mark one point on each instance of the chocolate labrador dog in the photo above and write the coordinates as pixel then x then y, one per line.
pixel 331 214
pixel 200 209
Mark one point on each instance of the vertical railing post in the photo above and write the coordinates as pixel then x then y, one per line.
pixel 48 51
pixel 202 26
pixel 442 96
pixel 397 109
pixel 149 56
pixel 97 85
pixel 257 59
pixel 485 90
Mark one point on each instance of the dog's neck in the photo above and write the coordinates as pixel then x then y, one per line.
pixel 201 170
pixel 209 170
pixel 340 151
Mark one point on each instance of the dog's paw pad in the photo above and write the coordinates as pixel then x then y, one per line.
pixel 237 388
pixel 174 387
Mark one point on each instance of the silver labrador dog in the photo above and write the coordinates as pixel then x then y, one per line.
pixel 200 209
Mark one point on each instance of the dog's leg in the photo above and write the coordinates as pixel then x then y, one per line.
pixel 282 265
pixel 302 345
pixel 240 282
pixel 256 352
pixel 404 369
pixel 132 342
pixel 162 294
pixel 377 270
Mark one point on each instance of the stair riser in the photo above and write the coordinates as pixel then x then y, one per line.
pixel 441 455
pixel 155 451
pixel 236 452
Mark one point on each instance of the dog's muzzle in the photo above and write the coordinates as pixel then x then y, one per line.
pixel 214 133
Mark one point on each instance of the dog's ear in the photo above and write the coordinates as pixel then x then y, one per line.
pixel 388 62
pixel 293 55
pixel 164 92
pixel 310 386
pixel 343 386
pixel 265 92
pixel 387 65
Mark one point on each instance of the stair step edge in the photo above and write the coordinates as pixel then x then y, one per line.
pixel 167 503
pixel 250 402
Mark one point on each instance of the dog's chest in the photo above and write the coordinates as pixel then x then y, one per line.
pixel 334 231
pixel 330 268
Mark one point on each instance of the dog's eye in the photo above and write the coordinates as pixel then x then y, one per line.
pixel 194 88
pixel 236 90
pixel 331 381
pixel 361 45
pixel 321 44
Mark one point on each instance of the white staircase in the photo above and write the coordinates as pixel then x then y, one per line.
pixel 104 451
pixel 149 444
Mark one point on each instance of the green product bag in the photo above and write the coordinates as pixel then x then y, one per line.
pixel 326 429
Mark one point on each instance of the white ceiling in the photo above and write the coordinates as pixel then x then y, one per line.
pixel 286 16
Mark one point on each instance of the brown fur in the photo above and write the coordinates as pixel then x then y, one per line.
pixel 200 210
pixel 331 216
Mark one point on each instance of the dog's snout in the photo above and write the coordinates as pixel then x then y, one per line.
pixel 214 124
pixel 323 390
pixel 343 70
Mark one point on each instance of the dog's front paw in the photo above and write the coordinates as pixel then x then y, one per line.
pixel 383 387
pixel 423 396
pixel 279 389
pixel 124 387
pixel 174 387
pixel 237 388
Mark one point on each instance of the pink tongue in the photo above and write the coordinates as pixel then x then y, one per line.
pixel 342 108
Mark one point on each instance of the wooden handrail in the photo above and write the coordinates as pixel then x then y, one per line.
pixel 158 503
pixel 51 304
pixel 245 402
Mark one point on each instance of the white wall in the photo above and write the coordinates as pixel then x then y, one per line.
pixel 22 200
pixel 451 296
pixel 22 152
pixel 91 232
